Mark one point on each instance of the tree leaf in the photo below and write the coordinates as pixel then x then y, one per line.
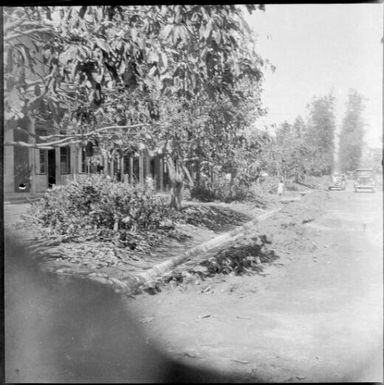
pixel 122 67
pixel 167 31
pixel 102 44
pixel 153 71
pixel 208 29
pixel 153 57
pixel 97 77
pixel 163 62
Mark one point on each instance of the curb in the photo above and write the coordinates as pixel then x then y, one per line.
pixel 168 265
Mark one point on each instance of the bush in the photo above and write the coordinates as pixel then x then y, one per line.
pixel 96 203
pixel 224 191
pixel 291 186
pixel 202 193
pixel 267 186
pixel 227 192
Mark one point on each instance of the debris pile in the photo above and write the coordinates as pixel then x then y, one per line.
pixel 245 258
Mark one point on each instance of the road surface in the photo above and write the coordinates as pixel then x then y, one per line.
pixel 316 317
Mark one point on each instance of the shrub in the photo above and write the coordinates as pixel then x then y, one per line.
pixel 227 192
pixel 267 186
pixel 96 203
pixel 202 193
pixel 224 191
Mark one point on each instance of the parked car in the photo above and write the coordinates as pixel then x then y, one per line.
pixel 338 182
pixel 363 172
pixel 365 183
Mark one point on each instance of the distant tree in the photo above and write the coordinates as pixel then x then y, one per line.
pixel 352 133
pixel 283 133
pixel 372 158
pixel 319 137
pixel 291 151
pixel 299 127
pixel 270 159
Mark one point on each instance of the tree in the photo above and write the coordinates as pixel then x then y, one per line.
pixel 299 127
pixel 373 158
pixel 319 137
pixel 290 152
pixel 352 133
pixel 152 76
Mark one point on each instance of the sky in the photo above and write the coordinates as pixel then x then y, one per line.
pixel 318 48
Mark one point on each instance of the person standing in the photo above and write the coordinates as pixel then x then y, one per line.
pixel 280 188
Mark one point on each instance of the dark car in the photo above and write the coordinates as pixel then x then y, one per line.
pixel 365 183
pixel 337 182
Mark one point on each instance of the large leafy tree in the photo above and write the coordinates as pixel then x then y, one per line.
pixel 153 76
pixel 352 133
pixel 319 138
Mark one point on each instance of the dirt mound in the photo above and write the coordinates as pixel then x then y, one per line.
pixel 287 230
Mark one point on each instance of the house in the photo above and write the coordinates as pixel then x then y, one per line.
pixel 31 170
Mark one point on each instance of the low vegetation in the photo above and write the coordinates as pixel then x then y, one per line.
pixel 96 208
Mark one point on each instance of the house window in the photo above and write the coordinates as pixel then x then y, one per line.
pixel 43 160
pixel 65 160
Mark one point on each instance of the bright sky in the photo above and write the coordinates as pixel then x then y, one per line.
pixel 317 48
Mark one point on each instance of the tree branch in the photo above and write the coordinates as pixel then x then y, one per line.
pixel 15 36
pixel 68 139
pixel 40 146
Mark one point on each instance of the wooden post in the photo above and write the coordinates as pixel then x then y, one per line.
pixel 161 173
pixel 116 167
pixel 122 170
pixel 112 169
pixel 31 157
pixel 165 170
pixel 141 168
pixel 157 171
pixel 131 169
pixel 74 152
pixel 147 163
pixel 57 166
pixel 79 158
pixel 9 159
pixel 105 164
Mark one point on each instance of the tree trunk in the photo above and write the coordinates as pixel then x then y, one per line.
pixel 176 179
pixel 176 194
pixel 198 172
pixel 177 171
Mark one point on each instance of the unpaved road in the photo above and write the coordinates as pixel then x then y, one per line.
pixel 314 317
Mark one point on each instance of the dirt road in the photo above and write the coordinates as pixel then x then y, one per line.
pixel 314 316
